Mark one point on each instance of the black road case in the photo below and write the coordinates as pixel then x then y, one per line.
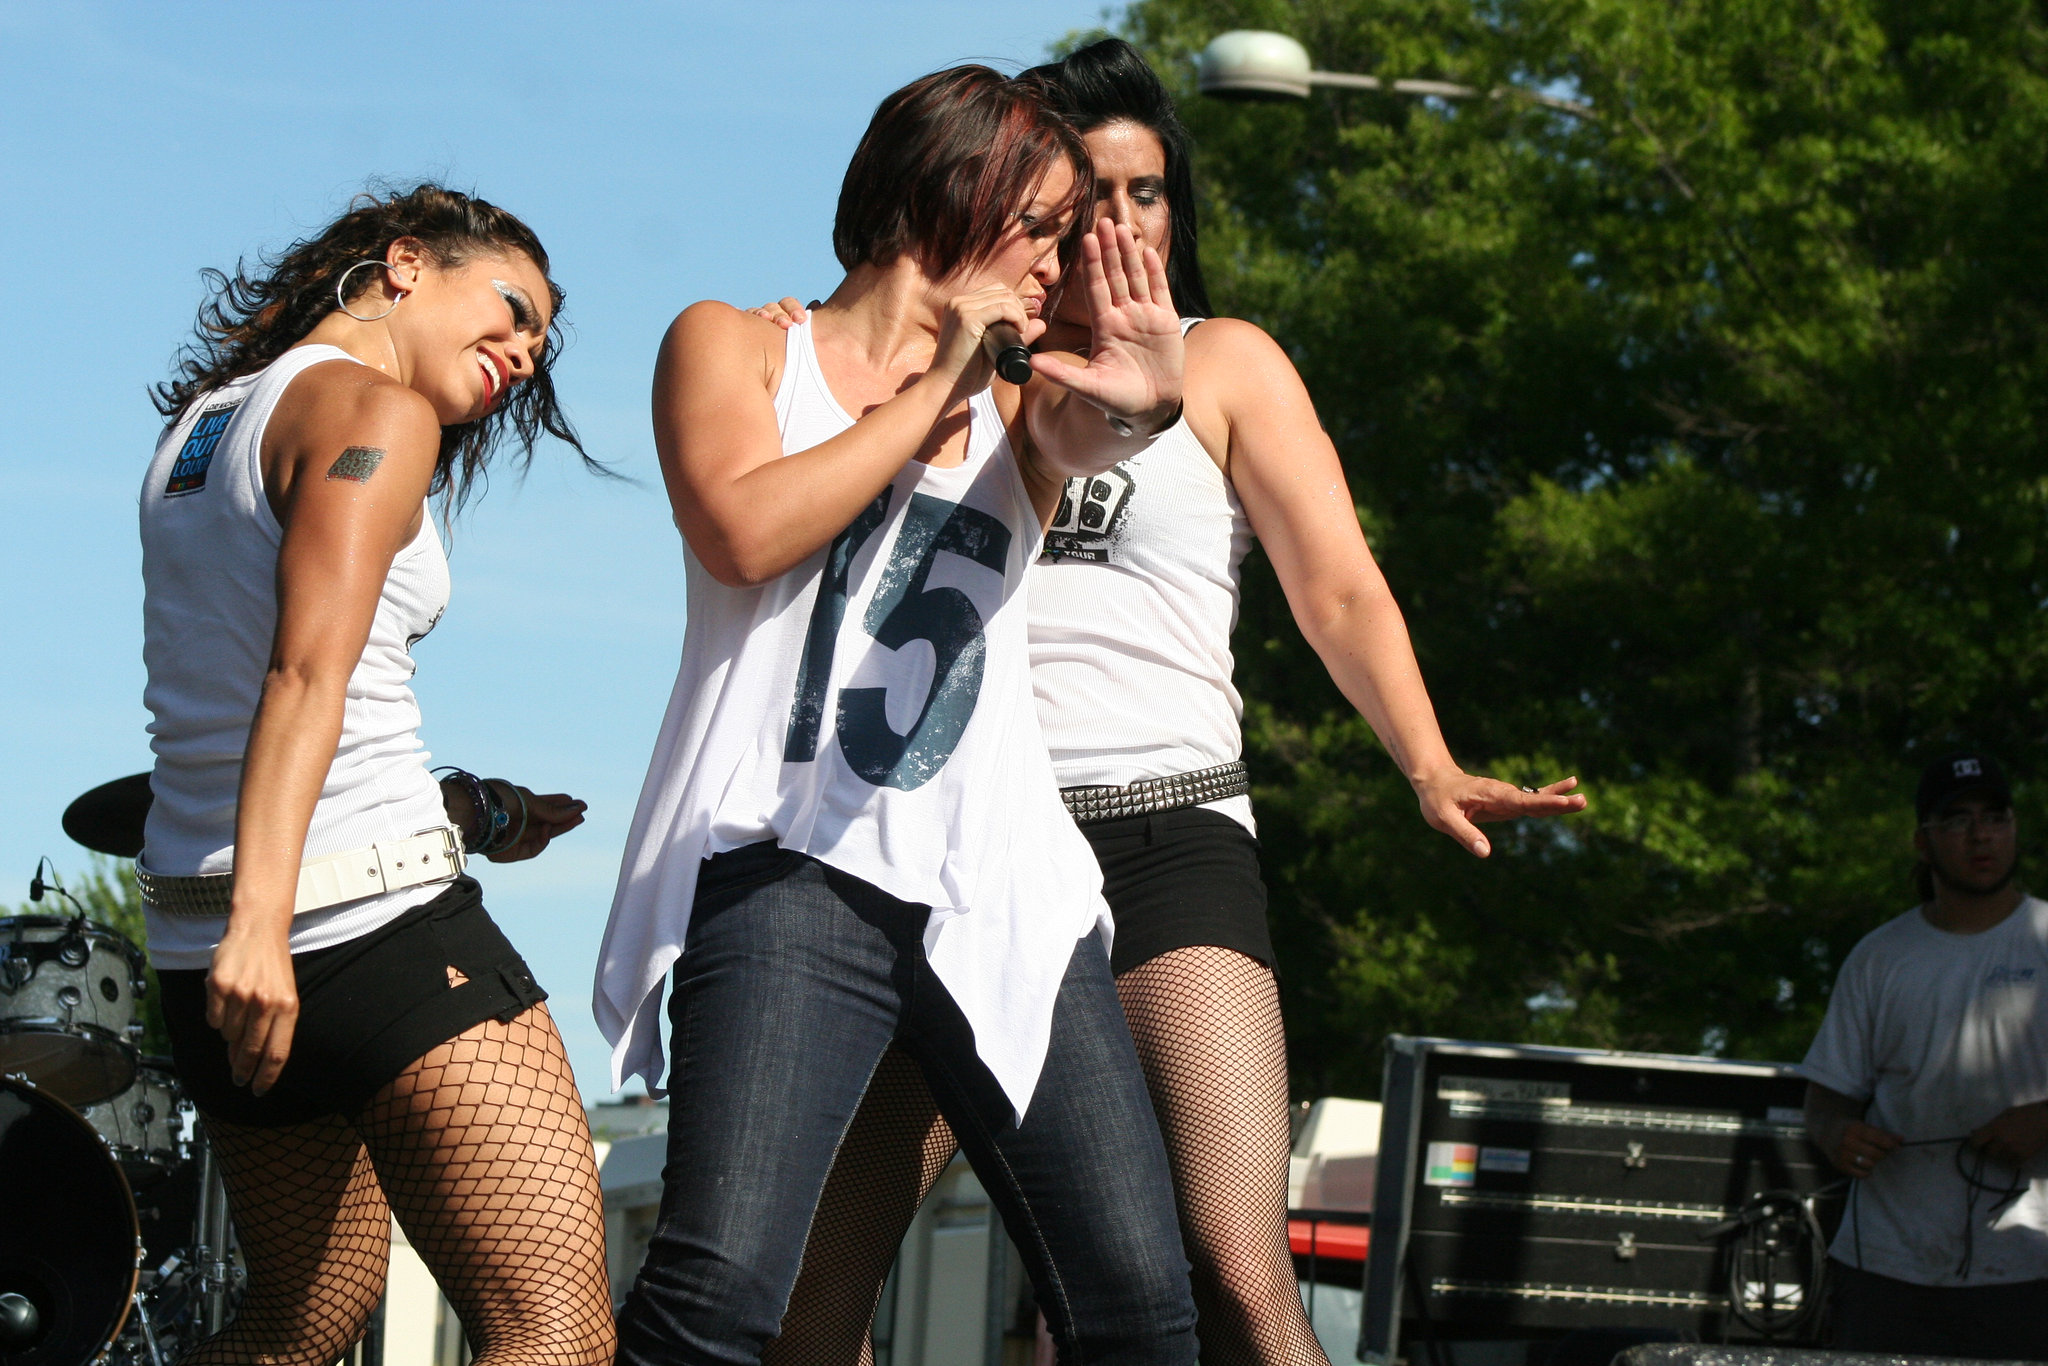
pixel 1524 1192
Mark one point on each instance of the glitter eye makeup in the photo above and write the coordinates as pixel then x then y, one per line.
pixel 522 312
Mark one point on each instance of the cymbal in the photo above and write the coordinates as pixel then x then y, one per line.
pixel 109 818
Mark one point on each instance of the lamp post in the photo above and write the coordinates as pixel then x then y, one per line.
pixel 1250 64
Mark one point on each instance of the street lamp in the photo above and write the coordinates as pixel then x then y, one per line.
pixel 1250 64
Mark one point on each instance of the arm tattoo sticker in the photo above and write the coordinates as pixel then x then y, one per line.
pixel 356 464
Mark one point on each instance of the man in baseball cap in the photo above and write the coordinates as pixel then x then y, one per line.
pixel 1928 1084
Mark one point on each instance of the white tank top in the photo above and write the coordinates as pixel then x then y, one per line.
pixel 209 611
pixel 1131 613
pixel 872 708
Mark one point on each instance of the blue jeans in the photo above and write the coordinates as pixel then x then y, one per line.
pixel 795 980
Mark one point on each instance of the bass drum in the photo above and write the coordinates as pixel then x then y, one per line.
pixel 147 1126
pixel 69 996
pixel 69 1243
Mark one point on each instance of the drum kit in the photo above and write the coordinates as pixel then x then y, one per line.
pixel 115 1243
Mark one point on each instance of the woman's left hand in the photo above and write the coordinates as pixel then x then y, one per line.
pixel 785 312
pixel 547 816
pixel 557 813
pixel 1456 801
pixel 1136 357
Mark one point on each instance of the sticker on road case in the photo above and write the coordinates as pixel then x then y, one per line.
pixel 1514 1089
pixel 1514 1160
pixel 1451 1164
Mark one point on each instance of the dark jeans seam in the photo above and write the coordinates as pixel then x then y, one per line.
pixel 1016 1190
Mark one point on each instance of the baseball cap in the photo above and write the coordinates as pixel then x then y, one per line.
pixel 1952 775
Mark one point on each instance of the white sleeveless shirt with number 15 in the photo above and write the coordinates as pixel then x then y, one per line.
pixel 871 708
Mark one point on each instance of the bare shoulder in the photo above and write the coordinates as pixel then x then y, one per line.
pixel 1241 373
pixel 711 326
pixel 341 400
pixel 1222 347
pixel 712 331
pixel 1239 382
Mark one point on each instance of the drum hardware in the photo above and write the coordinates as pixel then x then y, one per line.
pixel 73 1291
pixel 220 1279
pixel 145 1126
pixel 140 1317
pixel 110 818
pixel 70 994
pixel 86 1122
pixel 20 1323
pixel 70 1244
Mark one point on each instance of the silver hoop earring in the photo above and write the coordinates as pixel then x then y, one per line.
pixel 341 287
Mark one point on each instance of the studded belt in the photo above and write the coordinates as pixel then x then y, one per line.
pixel 1147 795
pixel 433 855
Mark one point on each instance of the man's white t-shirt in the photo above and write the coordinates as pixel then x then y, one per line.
pixel 1941 1033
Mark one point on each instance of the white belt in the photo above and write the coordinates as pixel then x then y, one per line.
pixel 433 855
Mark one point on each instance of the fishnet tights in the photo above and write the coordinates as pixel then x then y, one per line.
pixel 1207 1026
pixel 896 1147
pixel 482 1151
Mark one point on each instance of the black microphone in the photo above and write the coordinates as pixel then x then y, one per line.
pixel 1005 346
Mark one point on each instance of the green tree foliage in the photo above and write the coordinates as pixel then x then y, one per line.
pixel 108 894
pixel 1701 441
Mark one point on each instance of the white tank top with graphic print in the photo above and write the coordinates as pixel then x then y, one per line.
pixel 1131 613
pixel 871 708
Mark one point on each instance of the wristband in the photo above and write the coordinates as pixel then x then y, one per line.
pixel 1122 426
pixel 518 834
pixel 480 804
pixel 501 820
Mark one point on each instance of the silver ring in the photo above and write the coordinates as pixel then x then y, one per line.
pixel 1529 789
pixel 341 300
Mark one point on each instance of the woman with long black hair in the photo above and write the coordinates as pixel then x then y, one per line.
pixel 1131 612
pixel 360 1039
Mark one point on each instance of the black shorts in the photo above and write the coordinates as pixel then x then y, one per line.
pixel 368 1009
pixel 1178 879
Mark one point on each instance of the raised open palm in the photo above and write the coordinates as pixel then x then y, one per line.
pixel 1135 357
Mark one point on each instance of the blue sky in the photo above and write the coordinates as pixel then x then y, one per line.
pixel 664 153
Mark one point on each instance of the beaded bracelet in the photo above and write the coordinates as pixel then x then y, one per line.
pixel 482 803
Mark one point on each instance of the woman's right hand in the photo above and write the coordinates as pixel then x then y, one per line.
pixel 961 359
pixel 252 998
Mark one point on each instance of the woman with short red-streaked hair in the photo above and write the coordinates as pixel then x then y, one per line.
pixel 851 834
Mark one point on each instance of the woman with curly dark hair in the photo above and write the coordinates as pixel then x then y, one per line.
pixel 359 1037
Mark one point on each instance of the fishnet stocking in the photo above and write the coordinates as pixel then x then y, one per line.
pixel 482 1150
pixel 315 1235
pixel 1206 1022
pixel 894 1150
